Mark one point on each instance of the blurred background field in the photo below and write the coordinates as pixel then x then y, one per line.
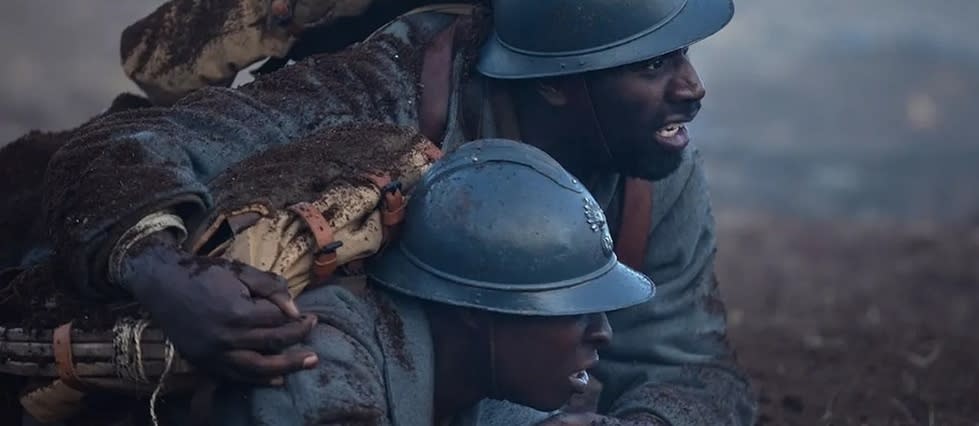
pixel 841 146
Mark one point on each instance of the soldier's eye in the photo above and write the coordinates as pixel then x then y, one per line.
pixel 656 63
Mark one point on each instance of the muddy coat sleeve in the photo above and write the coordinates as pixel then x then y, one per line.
pixel 188 44
pixel 345 388
pixel 118 169
pixel 670 356
pixel 185 45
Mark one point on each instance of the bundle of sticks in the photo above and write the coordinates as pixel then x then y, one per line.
pixel 35 353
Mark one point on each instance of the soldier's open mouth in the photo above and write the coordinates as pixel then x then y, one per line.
pixel 670 130
pixel 579 381
pixel 673 136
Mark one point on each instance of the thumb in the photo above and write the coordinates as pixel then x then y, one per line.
pixel 268 286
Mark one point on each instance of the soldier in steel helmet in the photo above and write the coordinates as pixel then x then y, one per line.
pixel 604 87
pixel 467 305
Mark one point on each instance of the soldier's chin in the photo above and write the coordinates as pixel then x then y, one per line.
pixel 651 165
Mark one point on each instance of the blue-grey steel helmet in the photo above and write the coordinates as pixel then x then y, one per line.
pixel 546 38
pixel 498 225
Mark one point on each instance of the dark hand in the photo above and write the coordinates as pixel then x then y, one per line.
pixel 224 317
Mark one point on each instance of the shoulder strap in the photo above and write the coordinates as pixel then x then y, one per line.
pixel 436 80
pixel 436 75
pixel 632 239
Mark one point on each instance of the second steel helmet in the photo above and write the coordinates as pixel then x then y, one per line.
pixel 498 225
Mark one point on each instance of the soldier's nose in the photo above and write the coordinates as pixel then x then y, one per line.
pixel 599 332
pixel 686 85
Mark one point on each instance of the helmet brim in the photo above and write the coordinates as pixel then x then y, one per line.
pixel 697 20
pixel 619 288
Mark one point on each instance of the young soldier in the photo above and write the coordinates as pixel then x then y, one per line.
pixel 497 288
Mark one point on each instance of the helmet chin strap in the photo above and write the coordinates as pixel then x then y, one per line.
pixel 585 90
pixel 494 390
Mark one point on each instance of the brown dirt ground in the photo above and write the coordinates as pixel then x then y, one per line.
pixel 844 323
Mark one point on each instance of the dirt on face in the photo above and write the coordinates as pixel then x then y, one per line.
pixel 849 323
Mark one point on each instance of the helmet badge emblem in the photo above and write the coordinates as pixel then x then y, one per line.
pixel 596 220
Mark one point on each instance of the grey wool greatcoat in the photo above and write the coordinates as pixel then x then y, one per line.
pixel 669 357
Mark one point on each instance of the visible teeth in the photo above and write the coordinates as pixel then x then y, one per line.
pixel 581 377
pixel 669 131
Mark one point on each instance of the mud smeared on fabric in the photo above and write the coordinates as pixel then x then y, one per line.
pixel 390 320
pixel 34 301
pixel 209 19
pixel 301 171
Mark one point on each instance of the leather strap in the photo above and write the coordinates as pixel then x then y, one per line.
pixel 392 204
pixel 325 257
pixel 436 68
pixel 436 78
pixel 242 221
pixel 504 114
pixel 63 360
pixel 431 152
pixel 632 240
pixel 393 207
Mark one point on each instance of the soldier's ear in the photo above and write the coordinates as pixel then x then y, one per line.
pixel 551 92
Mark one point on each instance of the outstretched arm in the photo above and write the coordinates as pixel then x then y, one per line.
pixel 133 174
pixel 123 167
pixel 186 45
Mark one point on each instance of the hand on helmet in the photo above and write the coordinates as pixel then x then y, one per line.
pixel 224 317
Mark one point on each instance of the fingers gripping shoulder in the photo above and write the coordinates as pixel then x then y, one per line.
pixel 347 385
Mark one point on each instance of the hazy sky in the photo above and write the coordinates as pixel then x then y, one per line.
pixel 845 100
